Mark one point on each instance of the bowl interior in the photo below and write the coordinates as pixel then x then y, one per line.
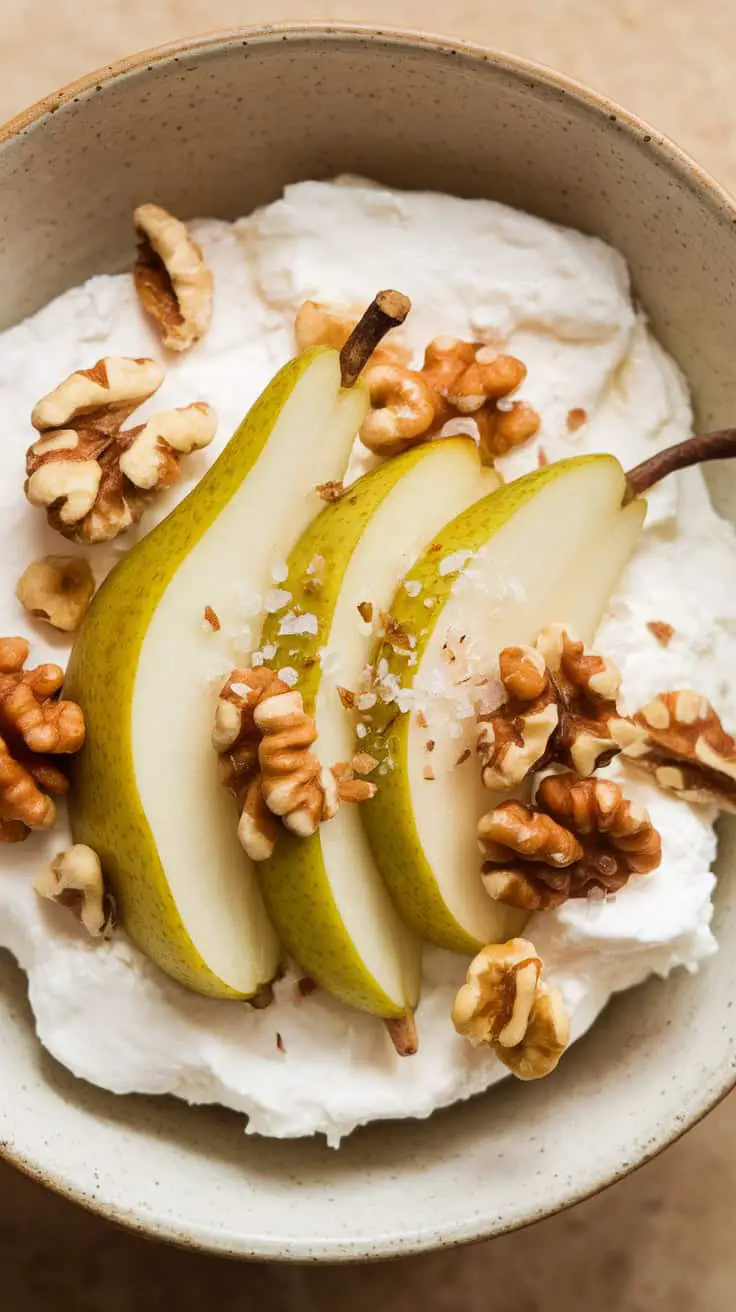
pixel 217 128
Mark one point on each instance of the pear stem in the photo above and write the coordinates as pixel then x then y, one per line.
pixel 386 311
pixel 695 451
pixel 403 1034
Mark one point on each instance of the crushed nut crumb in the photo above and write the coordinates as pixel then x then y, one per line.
pixel 428 773
pixel 330 491
pixel 212 619
pixel 576 418
pixel 365 610
pixel 346 697
pixel 663 632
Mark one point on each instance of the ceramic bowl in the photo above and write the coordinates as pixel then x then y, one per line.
pixel 217 126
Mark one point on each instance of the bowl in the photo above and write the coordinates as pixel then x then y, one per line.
pixel 217 126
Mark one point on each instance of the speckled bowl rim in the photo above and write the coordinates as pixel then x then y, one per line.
pixel 715 197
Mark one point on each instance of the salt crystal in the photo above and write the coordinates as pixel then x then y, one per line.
pixel 297 625
pixel 289 676
pixel 256 659
pixel 406 698
pixel 269 651
pixel 279 571
pixel 454 563
pixel 361 730
pixel 430 602
pixel 240 689
pixel 276 599
pixel 412 588
pixel 366 701
pixel 315 566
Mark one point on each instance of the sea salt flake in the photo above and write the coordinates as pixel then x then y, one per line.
pixel 454 563
pixel 412 588
pixel 361 730
pixel 257 659
pixel 279 571
pixel 297 625
pixel 289 676
pixel 268 651
pixel 406 698
pixel 240 689
pixel 315 566
pixel 276 599
pixel 366 701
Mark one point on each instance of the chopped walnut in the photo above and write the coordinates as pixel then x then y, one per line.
pixel 57 589
pixel 35 725
pixel 330 491
pixel 94 478
pixel 562 706
pixel 582 838
pixel 662 631
pixel 457 378
pixel 171 277
pixel 576 418
pixel 678 737
pixel 263 735
pixel 505 1003
pixel 75 880
pixel 319 325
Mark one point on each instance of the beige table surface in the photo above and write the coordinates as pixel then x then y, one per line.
pixel 663 1240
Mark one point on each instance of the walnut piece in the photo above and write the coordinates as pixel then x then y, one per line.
pixel 505 1003
pixel 320 325
pixel 57 589
pixel 172 280
pixel 35 724
pixel 236 738
pixel 263 736
pixel 295 785
pixel 94 478
pixel 678 737
pixel 582 838
pixel 562 706
pixel 457 378
pixel 75 880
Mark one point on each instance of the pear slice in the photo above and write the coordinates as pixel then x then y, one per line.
pixel 324 894
pixel 145 669
pixel 547 547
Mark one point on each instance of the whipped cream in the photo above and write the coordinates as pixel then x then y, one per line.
pixel 559 300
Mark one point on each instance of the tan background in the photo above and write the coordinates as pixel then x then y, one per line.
pixel 662 1241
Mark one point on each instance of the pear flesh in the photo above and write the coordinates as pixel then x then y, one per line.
pixel 548 547
pixel 324 894
pixel 146 670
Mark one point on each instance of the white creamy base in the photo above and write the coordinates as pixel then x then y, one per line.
pixel 560 301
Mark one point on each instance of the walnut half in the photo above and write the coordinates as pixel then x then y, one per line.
pixel 561 706
pixel 36 725
pixel 264 737
pixel 457 378
pixel 57 589
pixel 74 880
pixel 582 838
pixel 173 282
pixel 505 1003
pixel 679 738
pixel 93 477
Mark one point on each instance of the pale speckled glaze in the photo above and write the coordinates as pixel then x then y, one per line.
pixel 217 126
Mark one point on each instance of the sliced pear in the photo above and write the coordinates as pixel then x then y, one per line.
pixel 145 669
pixel 547 547
pixel 324 894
